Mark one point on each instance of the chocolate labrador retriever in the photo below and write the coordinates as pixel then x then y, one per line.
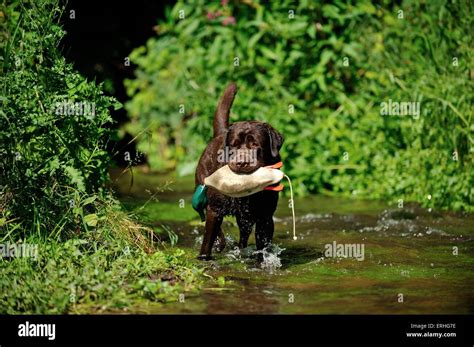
pixel 251 137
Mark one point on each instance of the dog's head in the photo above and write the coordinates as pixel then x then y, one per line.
pixel 251 145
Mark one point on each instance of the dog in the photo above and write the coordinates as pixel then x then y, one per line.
pixel 254 210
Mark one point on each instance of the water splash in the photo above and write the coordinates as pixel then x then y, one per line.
pixel 234 254
pixel 271 260
pixel 198 241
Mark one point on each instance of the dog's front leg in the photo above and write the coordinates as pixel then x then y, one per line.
pixel 245 229
pixel 213 225
pixel 264 232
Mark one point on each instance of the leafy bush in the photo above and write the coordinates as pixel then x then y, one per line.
pixel 53 162
pixel 53 165
pixel 334 65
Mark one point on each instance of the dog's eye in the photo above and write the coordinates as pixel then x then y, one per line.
pixel 234 143
pixel 250 141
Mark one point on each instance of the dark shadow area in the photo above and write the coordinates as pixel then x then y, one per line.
pixel 100 36
pixel 295 255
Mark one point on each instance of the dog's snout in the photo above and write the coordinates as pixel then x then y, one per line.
pixel 241 163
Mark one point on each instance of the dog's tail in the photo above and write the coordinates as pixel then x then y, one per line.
pixel 221 117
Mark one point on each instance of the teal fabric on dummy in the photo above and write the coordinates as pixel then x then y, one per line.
pixel 199 201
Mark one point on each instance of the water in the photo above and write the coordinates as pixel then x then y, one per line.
pixel 414 260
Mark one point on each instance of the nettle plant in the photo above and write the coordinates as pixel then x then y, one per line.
pixel 319 74
pixel 53 161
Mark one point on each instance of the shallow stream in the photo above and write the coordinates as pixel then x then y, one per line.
pixel 413 261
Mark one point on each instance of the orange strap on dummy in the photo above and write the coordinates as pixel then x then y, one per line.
pixel 279 187
pixel 275 166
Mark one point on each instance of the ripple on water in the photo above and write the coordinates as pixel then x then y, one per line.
pixel 403 222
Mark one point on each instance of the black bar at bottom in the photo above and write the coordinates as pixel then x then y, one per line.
pixel 455 330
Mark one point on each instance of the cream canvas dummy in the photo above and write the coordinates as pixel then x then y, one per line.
pixel 239 185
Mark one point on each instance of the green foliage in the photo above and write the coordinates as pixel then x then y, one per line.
pixel 112 267
pixel 52 164
pixel 336 139
pixel 86 276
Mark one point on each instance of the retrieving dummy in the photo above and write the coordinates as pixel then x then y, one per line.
pixel 239 185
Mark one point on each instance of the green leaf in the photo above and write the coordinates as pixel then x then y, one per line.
pixel 91 219
pixel 76 177
pixel 268 53
pixel 89 200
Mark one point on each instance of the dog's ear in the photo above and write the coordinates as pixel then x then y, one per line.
pixel 276 141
